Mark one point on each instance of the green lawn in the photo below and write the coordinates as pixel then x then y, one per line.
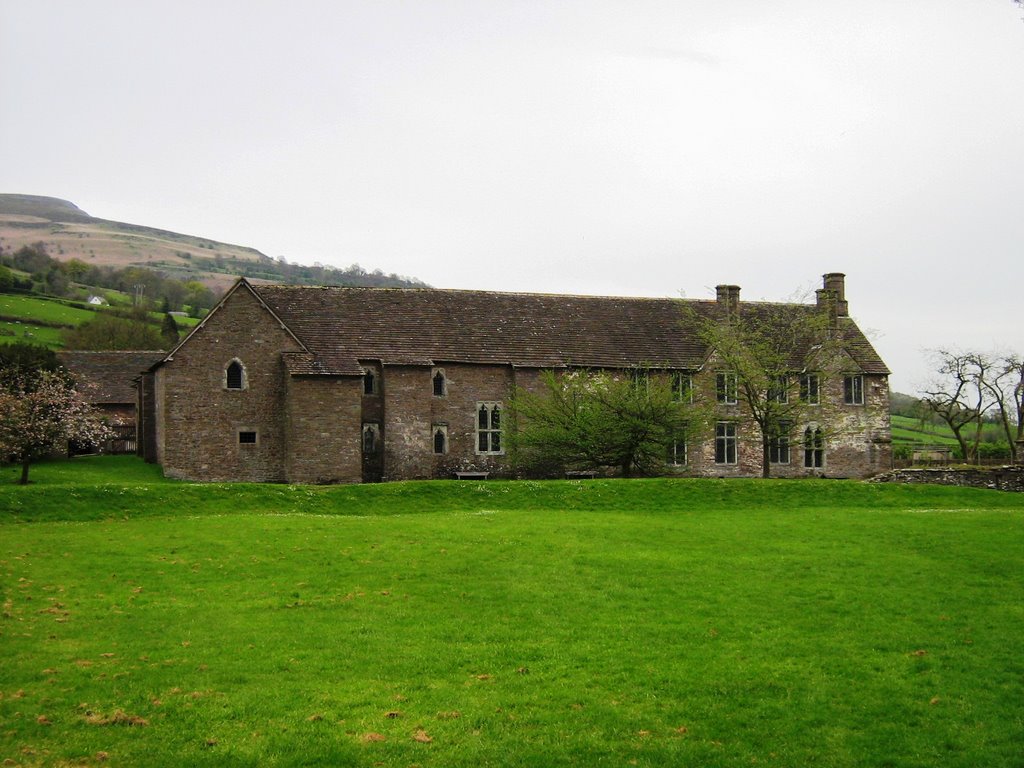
pixel 34 308
pixel 646 622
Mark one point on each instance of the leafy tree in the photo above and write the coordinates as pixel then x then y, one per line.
pixel 169 331
pixel 108 331
pixel 21 358
pixel 76 269
pixel 586 420
pixel 766 352
pixel 32 258
pixel 198 296
pixel 39 414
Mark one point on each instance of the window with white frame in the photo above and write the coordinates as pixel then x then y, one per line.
pixel 726 390
pixel 809 388
pixel 488 428
pixel 778 444
pixel 726 443
pixel 778 389
pixel 682 387
pixel 676 450
pixel 814 448
pixel 853 389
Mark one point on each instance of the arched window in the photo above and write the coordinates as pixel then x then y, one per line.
pixel 369 383
pixel 440 440
pixel 234 375
pixel 488 429
pixel 440 384
pixel 814 448
pixel 371 438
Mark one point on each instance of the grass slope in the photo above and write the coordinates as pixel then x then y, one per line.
pixel 660 622
pixel 910 431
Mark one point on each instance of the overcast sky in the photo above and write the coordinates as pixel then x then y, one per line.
pixel 629 148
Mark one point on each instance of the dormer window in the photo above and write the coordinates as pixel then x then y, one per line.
pixel 440 383
pixel 234 375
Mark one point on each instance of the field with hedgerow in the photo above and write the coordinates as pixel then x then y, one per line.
pixel 628 622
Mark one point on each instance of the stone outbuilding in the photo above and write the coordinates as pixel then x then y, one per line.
pixel 304 384
pixel 107 381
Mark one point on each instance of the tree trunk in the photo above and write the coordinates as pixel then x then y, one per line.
pixel 766 465
pixel 24 472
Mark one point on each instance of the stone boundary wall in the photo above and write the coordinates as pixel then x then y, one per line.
pixel 997 478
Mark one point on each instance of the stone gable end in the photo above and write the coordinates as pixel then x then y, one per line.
pixel 199 419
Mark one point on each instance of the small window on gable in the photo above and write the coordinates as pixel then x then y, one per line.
pixel 247 437
pixel 234 375
pixel 440 384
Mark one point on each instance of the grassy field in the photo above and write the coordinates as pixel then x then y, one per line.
pixel 35 308
pixel 908 430
pixel 20 317
pixel 648 622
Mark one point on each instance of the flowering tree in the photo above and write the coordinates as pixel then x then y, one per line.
pixel 39 414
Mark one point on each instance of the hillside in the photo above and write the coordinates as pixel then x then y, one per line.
pixel 67 232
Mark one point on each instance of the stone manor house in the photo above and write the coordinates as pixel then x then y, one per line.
pixel 302 384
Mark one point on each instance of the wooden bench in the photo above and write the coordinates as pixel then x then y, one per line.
pixel 471 475
pixel 581 474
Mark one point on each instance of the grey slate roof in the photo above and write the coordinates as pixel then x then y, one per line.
pixel 109 376
pixel 424 326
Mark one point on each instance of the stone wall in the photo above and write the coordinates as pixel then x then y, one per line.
pixel 857 438
pixel 199 418
pixel 323 432
pixel 411 412
pixel 997 478
pixel 310 428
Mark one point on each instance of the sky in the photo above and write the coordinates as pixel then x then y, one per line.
pixel 637 148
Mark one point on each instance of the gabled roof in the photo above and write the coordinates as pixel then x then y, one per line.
pixel 423 326
pixel 109 376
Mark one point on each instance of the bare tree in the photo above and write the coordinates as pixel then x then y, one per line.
pixel 961 395
pixel 1006 388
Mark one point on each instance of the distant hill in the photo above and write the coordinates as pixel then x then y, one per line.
pixel 68 232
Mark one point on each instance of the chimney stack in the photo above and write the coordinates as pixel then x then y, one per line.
pixel 729 298
pixel 835 287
